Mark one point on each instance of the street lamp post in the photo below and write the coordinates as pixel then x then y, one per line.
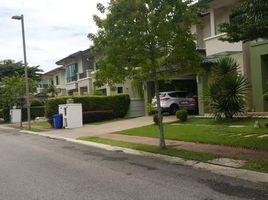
pixel 25 70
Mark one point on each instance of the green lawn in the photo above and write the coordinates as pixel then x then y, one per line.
pixel 188 155
pixel 211 132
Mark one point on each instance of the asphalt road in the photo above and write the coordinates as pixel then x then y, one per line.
pixel 35 167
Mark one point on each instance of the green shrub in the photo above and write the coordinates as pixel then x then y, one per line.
pixel 6 115
pixel 155 118
pixel 96 116
pixel 38 111
pixel 150 109
pixel 119 104
pixel 36 103
pixel 182 115
pixel 265 96
pixel 1 113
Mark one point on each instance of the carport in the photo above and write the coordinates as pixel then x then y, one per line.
pixel 184 83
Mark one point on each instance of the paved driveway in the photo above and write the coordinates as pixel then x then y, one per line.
pixel 108 127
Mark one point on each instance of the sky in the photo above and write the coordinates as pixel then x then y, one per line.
pixel 54 29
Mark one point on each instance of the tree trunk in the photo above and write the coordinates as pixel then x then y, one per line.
pixel 162 143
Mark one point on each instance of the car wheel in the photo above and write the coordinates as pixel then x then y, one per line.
pixel 173 109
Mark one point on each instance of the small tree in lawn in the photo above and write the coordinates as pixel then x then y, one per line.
pixel 139 38
pixel 226 93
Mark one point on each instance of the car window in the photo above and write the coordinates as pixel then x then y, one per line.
pixel 181 94
pixel 174 94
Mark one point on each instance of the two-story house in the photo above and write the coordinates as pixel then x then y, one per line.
pixel 75 76
pixel 252 57
pixel 77 69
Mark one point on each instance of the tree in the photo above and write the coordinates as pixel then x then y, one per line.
pixel 51 89
pixel 12 90
pixel 138 39
pixel 11 68
pixel 226 93
pixel 248 21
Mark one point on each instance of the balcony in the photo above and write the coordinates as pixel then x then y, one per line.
pixel 85 74
pixel 213 45
pixel 71 86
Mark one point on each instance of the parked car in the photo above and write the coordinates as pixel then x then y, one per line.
pixel 174 100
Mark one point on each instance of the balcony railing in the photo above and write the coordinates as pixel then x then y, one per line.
pixel 83 75
pixel 214 45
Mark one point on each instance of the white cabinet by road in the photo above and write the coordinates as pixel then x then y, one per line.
pixel 15 115
pixel 71 115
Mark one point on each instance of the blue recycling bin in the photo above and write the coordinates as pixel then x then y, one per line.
pixel 57 121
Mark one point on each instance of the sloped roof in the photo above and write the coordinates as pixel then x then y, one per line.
pixel 72 56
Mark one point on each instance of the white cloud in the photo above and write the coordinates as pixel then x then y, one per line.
pixel 54 29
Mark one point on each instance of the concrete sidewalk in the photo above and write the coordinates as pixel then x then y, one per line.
pixel 107 127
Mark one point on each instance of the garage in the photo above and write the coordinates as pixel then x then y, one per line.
pixel 183 83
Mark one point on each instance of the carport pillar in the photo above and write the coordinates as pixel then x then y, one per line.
pixel 202 82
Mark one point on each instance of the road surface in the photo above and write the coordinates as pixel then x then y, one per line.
pixel 36 168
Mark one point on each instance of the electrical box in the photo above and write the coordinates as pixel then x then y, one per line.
pixel 15 115
pixel 71 115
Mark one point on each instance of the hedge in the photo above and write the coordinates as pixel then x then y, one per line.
pixel 118 104
pixel 1 113
pixel 38 111
pixel 36 103
pixel 96 116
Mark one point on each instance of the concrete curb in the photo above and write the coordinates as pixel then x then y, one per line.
pixel 217 169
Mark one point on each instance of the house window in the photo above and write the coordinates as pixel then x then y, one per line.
pixel 57 80
pixel 72 71
pixel 119 90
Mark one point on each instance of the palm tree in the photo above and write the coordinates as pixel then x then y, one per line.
pixel 51 89
pixel 227 92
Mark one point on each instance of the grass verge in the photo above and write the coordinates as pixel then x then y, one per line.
pixel 35 126
pixel 42 124
pixel 188 155
pixel 253 165
pixel 26 128
pixel 260 166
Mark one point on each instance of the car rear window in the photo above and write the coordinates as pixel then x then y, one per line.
pixel 181 94
pixel 173 94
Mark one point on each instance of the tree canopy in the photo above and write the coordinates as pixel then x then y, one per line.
pixel 139 38
pixel 12 90
pixel 248 21
pixel 9 68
